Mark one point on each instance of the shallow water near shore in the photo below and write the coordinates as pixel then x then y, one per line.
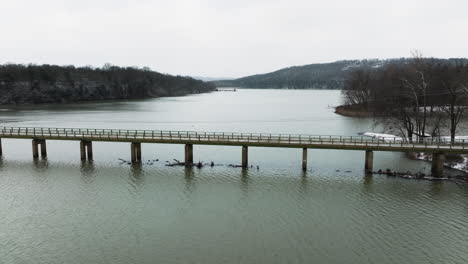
pixel 59 210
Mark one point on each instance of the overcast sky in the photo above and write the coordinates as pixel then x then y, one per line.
pixel 221 38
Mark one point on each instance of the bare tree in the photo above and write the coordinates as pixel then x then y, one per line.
pixel 416 92
pixel 453 83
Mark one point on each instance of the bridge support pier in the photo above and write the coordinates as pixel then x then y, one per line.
pixel 188 154
pixel 438 160
pixel 86 149
pixel 1 151
pixel 135 152
pixel 245 157
pixel 35 148
pixel 369 163
pixel 304 159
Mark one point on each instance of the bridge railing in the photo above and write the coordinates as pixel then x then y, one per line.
pixel 113 134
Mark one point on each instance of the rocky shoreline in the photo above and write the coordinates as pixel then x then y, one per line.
pixel 421 176
pixel 453 161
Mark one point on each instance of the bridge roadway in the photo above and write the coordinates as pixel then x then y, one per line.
pixel 39 135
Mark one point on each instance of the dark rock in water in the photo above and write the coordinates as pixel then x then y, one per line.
pixel 420 175
pixel 389 172
pixel 379 171
pixel 461 177
pixel 177 163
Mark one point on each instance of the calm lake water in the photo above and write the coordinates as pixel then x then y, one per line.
pixel 60 210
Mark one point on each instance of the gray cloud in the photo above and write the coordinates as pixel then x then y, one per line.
pixel 227 38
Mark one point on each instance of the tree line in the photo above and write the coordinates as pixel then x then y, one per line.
pixel 21 84
pixel 313 76
pixel 421 98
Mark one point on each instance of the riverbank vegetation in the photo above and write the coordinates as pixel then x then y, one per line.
pixel 35 84
pixel 419 99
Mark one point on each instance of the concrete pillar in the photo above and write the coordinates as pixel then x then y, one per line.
pixel 188 154
pixel 438 160
pixel 304 159
pixel 35 148
pixel 43 148
pixel 132 152
pixel 89 146
pixel 138 152
pixel 369 163
pixel 135 152
pixel 1 151
pixel 245 156
pixel 86 150
pixel 83 150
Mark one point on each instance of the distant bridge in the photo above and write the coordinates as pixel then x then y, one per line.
pixel 39 135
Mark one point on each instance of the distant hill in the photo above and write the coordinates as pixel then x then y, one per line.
pixel 209 79
pixel 36 84
pixel 312 76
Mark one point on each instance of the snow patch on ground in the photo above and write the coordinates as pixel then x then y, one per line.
pixel 381 136
pixel 390 137
pixel 447 138
pixel 463 166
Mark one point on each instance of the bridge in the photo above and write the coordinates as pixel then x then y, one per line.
pixel 39 136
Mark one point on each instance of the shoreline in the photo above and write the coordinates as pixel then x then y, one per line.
pixel 3 106
pixel 457 162
pixel 351 111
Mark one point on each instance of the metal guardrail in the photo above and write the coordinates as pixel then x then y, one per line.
pixel 216 137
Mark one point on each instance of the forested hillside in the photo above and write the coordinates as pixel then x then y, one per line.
pixel 313 76
pixel 20 84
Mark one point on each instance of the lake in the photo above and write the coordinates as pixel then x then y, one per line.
pixel 60 210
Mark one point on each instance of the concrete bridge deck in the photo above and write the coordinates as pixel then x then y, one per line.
pixel 86 136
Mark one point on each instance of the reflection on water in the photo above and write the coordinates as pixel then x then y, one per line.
pixel 304 183
pixel 368 180
pixel 62 210
pixel 136 177
pixel 244 180
pixel 437 189
pixel 88 171
pixel 189 176
pixel 40 164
